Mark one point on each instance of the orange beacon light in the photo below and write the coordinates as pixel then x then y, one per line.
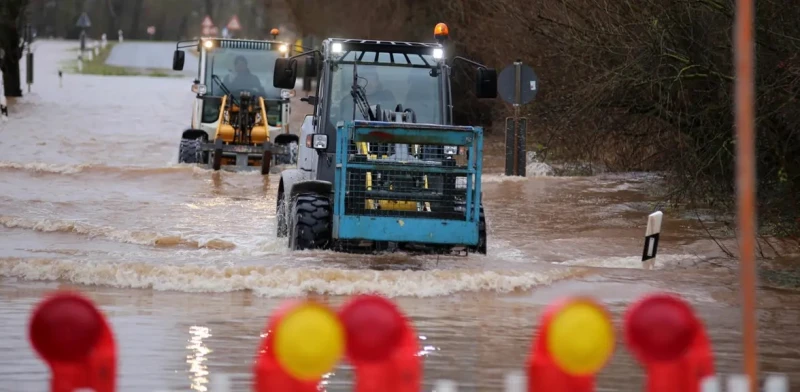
pixel 441 32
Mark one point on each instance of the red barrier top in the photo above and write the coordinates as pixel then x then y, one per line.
pixel 73 337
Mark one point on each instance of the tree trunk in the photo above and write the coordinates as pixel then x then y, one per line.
pixel 137 13
pixel 10 63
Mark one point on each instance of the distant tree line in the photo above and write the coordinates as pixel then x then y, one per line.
pixel 629 84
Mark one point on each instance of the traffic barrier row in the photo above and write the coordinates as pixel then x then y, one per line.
pixel 305 340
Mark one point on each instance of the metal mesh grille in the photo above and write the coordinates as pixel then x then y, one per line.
pixel 411 180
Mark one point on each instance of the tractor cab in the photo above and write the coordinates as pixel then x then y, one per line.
pixel 383 167
pixel 229 69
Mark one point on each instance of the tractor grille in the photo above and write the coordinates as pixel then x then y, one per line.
pixel 407 180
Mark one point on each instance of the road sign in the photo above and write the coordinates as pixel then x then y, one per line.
pixel 151 30
pixel 234 24
pixel 207 23
pixel 528 84
pixel 83 21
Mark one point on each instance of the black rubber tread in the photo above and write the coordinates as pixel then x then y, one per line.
pixel 311 228
pixel 189 151
pixel 482 237
pixel 282 228
pixel 482 242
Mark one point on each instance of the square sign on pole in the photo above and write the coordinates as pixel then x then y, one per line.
pixel 517 85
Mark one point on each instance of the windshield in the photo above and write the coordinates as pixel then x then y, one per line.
pixel 241 69
pixel 407 81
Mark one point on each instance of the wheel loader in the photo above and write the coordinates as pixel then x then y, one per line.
pixel 381 167
pixel 237 123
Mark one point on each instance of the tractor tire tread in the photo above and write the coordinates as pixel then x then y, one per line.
pixel 189 151
pixel 312 222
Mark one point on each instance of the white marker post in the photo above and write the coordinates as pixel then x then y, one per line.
pixel 445 386
pixel 3 106
pixel 80 64
pixel 60 79
pixel 119 34
pixel 651 240
pixel 103 41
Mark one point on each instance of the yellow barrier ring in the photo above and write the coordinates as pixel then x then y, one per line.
pixel 580 338
pixel 309 341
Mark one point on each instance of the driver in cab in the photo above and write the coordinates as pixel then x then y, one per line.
pixel 242 79
pixel 376 92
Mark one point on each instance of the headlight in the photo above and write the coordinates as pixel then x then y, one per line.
pixel 450 150
pixel 317 141
pixel 199 88
pixel 208 44
pixel 438 53
pixel 283 48
pixel 287 94
pixel 336 47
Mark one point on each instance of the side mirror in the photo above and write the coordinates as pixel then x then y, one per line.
pixel 285 74
pixel 310 68
pixel 178 59
pixel 486 83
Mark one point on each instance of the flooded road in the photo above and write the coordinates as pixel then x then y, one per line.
pixel 186 265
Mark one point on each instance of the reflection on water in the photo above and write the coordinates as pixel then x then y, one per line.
pixel 326 380
pixel 426 349
pixel 197 358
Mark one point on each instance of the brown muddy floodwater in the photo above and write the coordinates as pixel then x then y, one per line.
pixel 186 265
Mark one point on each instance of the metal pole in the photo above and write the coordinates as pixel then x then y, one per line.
pixel 746 182
pixel 517 100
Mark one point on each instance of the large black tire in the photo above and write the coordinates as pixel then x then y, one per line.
pixel 481 247
pixel 311 225
pixel 189 151
pixel 280 215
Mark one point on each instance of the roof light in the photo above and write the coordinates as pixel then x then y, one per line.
pixel 283 48
pixel 336 47
pixel 374 327
pixel 309 341
pixel 660 327
pixel 208 44
pixel 441 31
pixel 274 32
pixel 438 53
pixel 580 337
pixel 65 328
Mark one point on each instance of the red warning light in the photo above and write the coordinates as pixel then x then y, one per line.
pixel 374 327
pixel 65 328
pixel 660 327
pixel 73 337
